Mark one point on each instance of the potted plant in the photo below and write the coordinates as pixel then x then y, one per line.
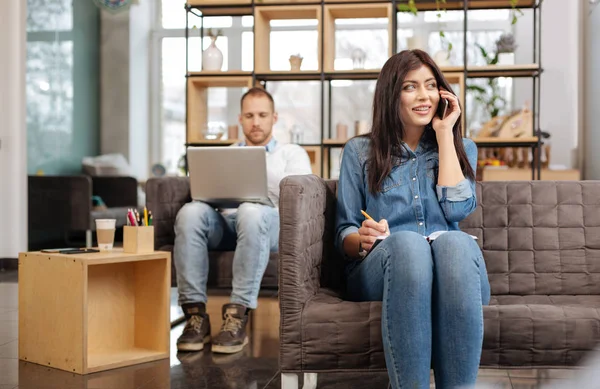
pixel 505 49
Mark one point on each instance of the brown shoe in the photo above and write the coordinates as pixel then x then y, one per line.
pixel 232 338
pixel 197 328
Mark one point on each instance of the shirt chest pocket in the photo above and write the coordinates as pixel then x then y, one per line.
pixel 432 166
pixel 395 179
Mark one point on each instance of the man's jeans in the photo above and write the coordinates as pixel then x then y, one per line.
pixel 432 315
pixel 253 231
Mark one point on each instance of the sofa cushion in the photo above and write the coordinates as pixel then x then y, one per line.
pixel 220 269
pixel 539 237
pixel 519 331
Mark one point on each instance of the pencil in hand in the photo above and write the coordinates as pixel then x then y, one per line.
pixel 366 215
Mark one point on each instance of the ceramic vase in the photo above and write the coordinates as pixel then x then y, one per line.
pixel 212 57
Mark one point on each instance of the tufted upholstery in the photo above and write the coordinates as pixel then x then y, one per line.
pixel 541 243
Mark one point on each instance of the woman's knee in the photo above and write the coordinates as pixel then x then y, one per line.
pixel 454 252
pixel 408 256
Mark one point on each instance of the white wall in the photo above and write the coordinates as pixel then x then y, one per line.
pixel 561 61
pixel 591 83
pixel 13 157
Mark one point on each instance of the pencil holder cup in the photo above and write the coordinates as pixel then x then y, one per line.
pixel 138 239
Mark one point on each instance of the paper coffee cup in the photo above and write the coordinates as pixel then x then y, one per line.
pixel 105 231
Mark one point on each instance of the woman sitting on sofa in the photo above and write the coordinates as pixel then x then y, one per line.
pixel 415 174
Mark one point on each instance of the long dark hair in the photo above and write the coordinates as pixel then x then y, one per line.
pixel 387 130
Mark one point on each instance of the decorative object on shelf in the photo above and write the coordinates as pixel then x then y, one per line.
pixel 442 58
pixel 505 49
pixel 212 57
pixel 361 127
pixel 295 134
pixel 295 62
pixel 440 6
pixel 341 131
pixel 232 132
pixel 114 6
pixel 358 58
pixel 415 42
pixel 214 132
pixel 515 125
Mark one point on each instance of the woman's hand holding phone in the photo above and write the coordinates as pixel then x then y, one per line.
pixel 452 113
pixel 370 230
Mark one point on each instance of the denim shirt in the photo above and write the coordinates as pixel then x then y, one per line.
pixel 410 199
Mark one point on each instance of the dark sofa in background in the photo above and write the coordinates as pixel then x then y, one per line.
pixel 63 204
pixel 541 243
pixel 164 197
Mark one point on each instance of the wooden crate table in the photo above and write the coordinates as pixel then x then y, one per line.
pixel 91 312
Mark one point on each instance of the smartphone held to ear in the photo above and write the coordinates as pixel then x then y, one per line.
pixel 442 108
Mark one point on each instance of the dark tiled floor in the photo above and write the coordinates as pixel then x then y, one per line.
pixel 254 368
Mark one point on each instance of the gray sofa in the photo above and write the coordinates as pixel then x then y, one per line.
pixel 164 197
pixel 541 243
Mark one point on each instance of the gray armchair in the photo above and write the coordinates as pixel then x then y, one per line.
pixel 164 198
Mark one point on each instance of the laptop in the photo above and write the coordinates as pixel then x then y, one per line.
pixel 226 177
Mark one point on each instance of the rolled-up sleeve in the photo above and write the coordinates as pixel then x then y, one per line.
pixel 350 195
pixel 460 200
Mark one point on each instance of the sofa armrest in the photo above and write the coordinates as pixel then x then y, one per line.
pixel 116 191
pixel 164 198
pixel 59 202
pixel 303 207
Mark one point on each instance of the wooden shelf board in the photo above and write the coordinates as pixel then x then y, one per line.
pixel 228 73
pixel 524 70
pixel 359 11
pixel 428 5
pixel 111 359
pixel 220 81
pixel 525 141
pixel 271 12
pixel 353 74
pixel 213 142
pixel 201 3
pixel 286 2
pixel 285 75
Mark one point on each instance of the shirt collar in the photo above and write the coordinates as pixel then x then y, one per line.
pixel 269 146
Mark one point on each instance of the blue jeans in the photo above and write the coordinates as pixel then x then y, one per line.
pixel 252 231
pixel 432 297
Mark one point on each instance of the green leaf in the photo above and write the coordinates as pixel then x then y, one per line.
pixel 449 48
pixel 514 19
pixel 442 35
pixel 483 51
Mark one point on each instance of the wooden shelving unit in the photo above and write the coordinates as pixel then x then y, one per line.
pixel 326 12
pixel 262 30
pixel 197 100
pixel 352 11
